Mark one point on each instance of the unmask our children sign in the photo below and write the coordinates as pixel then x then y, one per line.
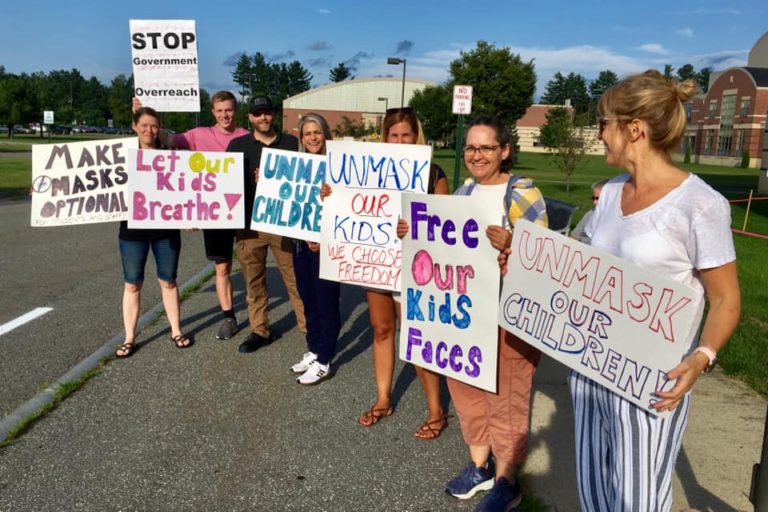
pixel 610 320
pixel 80 182
pixel 164 57
pixel 185 189
pixel 450 288
pixel 359 222
pixel 287 198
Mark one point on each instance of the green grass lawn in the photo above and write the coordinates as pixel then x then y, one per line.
pixel 744 357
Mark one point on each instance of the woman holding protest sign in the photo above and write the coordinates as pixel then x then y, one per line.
pixel 135 245
pixel 497 423
pixel 669 221
pixel 401 126
pixel 320 297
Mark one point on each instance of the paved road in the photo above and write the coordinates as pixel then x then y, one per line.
pixel 76 271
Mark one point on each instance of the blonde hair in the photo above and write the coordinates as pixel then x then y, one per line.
pixel 655 99
pixel 317 119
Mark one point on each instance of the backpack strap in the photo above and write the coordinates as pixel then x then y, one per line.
pixel 508 194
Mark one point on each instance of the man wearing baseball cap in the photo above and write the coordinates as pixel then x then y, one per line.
pixel 252 245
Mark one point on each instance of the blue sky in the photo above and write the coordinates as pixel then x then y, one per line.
pixel 583 37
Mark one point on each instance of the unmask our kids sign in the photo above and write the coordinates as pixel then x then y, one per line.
pixel 450 288
pixel 185 189
pixel 164 57
pixel 287 199
pixel 80 182
pixel 610 320
pixel 359 221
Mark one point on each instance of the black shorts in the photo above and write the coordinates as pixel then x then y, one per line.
pixel 219 244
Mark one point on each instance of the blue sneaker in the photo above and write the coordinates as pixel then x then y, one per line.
pixel 471 480
pixel 504 497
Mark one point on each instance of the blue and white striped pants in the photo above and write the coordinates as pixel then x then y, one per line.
pixel 625 456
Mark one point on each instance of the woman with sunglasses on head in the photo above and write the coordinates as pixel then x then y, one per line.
pixel 320 297
pixel 135 245
pixel 497 423
pixel 401 126
pixel 669 221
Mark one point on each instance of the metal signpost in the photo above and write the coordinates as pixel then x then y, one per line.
pixel 462 104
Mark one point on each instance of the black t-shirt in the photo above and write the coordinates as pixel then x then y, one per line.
pixel 251 150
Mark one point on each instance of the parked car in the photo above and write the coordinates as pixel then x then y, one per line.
pixel 18 128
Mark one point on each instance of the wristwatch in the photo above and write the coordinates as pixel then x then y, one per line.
pixel 711 355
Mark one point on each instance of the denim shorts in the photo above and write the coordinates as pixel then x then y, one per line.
pixel 134 256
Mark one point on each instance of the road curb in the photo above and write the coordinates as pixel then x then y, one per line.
pixel 47 397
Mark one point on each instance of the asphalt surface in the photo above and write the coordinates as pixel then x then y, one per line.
pixel 209 429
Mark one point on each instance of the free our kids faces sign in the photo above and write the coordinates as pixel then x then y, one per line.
pixel 610 320
pixel 359 222
pixel 164 57
pixel 287 199
pixel 185 189
pixel 450 288
pixel 80 182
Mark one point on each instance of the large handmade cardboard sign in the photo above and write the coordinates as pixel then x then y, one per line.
pixel 450 288
pixel 610 320
pixel 358 233
pixel 185 189
pixel 287 199
pixel 80 182
pixel 164 56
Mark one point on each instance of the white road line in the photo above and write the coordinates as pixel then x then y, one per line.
pixel 26 317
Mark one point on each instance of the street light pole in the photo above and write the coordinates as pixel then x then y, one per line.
pixel 397 61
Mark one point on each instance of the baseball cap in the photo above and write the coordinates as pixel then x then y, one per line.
pixel 259 104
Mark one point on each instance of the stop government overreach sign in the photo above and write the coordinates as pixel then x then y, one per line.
pixel 462 99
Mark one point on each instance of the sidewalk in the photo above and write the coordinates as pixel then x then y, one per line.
pixel 210 429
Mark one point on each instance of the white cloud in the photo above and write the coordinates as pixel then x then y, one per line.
pixel 653 48
pixel 322 11
pixel 685 32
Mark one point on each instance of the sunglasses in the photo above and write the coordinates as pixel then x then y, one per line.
pixel 399 110
pixel 602 122
pixel 595 198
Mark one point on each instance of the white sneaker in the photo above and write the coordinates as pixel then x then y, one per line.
pixel 303 365
pixel 315 374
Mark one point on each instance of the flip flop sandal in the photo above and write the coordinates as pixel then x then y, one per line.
pixel 432 429
pixel 125 350
pixel 372 416
pixel 181 341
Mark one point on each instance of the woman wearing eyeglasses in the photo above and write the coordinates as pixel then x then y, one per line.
pixel 497 423
pixel 135 245
pixel 666 220
pixel 401 126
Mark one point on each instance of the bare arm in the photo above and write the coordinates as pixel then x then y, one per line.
pixel 722 289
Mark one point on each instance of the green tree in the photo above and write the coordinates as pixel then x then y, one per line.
pixel 555 130
pixel 605 79
pixel 350 128
pixel 503 84
pixel 340 73
pixel 703 78
pixel 566 141
pixel 685 72
pixel 668 70
pixel 119 100
pixel 571 87
pixel 18 102
pixel 433 105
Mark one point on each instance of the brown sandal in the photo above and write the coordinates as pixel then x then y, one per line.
pixel 432 429
pixel 181 341
pixel 125 350
pixel 372 416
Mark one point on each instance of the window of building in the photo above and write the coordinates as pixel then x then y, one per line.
pixel 745 103
pixel 724 140
pixel 712 108
pixel 708 142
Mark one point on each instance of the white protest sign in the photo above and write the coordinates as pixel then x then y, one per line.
pixel 164 56
pixel 462 99
pixel 287 198
pixel 358 233
pixel 610 320
pixel 450 288
pixel 185 189
pixel 375 165
pixel 359 243
pixel 80 182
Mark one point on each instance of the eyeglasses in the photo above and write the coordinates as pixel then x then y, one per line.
pixel 483 150
pixel 399 110
pixel 595 198
pixel 602 122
